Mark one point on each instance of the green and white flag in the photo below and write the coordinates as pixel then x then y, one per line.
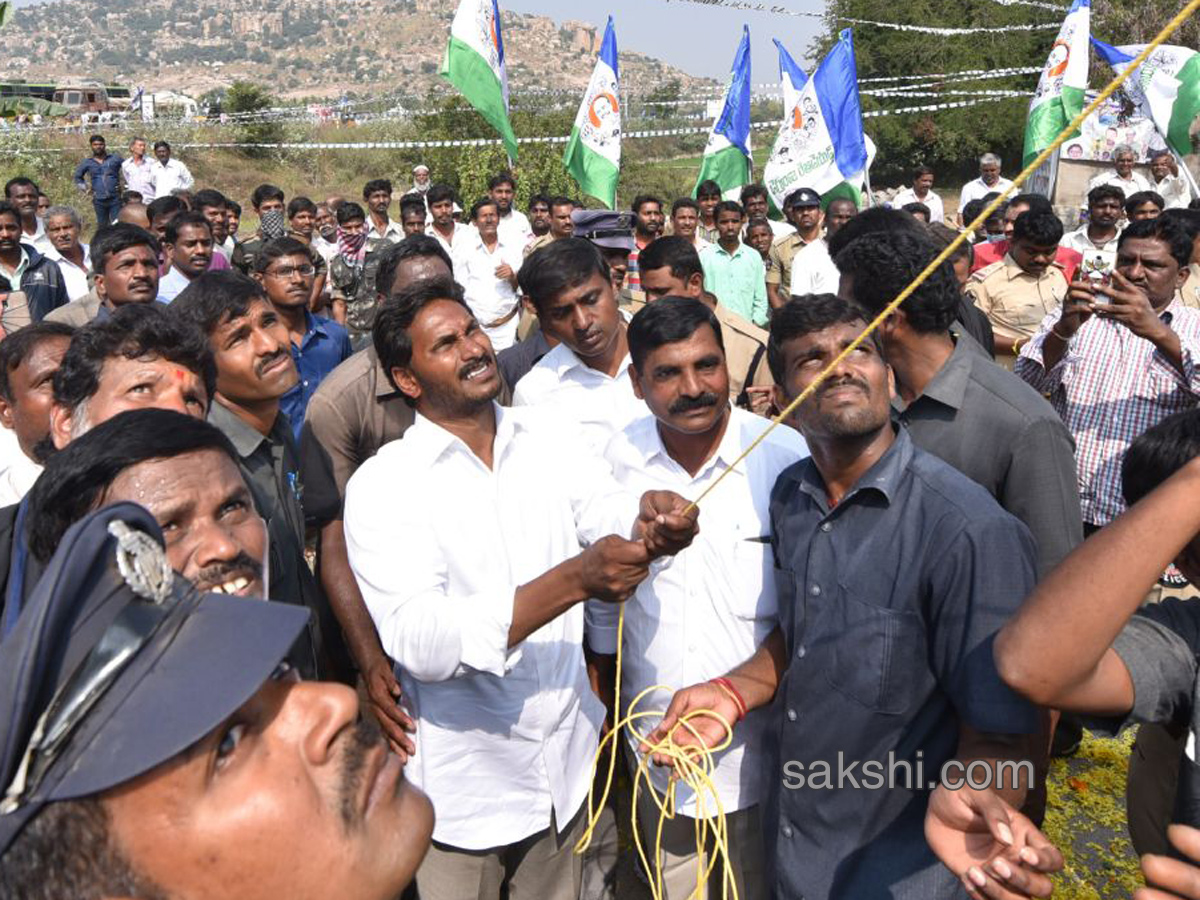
pixel 1059 95
pixel 593 155
pixel 727 156
pixel 1166 87
pixel 474 63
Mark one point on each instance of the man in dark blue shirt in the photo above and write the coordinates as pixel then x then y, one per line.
pixel 895 572
pixel 100 175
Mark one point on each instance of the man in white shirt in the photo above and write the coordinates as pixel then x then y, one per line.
pixel 1097 238
pixel 139 172
pixel 23 193
pixel 442 226
pixel 756 205
pixel 1171 186
pixel 813 271
pixel 585 379
pixel 377 195
pixel 74 259
pixel 922 192
pixel 486 265
pixel 989 181
pixel 514 225
pixel 169 174
pixel 706 610
pixel 28 360
pixel 1122 174
pixel 467 539
pixel 188 246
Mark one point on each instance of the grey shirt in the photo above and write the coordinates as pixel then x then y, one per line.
pixel 999 432
pixel 889 603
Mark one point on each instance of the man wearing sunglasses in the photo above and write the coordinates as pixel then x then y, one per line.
pixel 137 717
pixel 285 269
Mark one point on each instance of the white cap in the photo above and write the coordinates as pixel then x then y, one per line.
pixel 421 168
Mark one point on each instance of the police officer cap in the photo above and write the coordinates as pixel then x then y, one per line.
pixel 610 230
pixel 116 665
pixel 802 197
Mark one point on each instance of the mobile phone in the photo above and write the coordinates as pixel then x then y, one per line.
pixel 1100 279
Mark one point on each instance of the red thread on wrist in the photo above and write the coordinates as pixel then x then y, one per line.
pixel 738 700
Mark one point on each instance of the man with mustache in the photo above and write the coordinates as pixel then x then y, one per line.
pixel 477 587
pixel 894 573
pixel 125 270
pixel 188 246
pixel 586 377
pixel 249 343
pixel 144 792
pixel 715 603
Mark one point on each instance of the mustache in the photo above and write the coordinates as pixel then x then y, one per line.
pixel 843 382
pixel 468 367
pixel 688 404
pixel 366 736
pixel 261 366
pixel 242 564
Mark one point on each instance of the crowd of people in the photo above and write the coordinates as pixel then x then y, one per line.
pixel 450 448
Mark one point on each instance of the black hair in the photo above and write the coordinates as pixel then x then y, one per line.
pixel 870 221
pixel 265 192
pixel 410 203
pixel 413 246
pixel 642 199
pixel 804 315
pixel 19 344
pixel 158 144
pixel 349 211
pixel 208 199
pixel 133 331
pixel 668 321
pixel 169 205
pixel 558 266
pixel 728 206
pixel 277 249
pixel 685 203
pixel 757 223
pixel 84 470
pixel 97 137
pixel 708 188
pixel 128 197
pixel 1033 201
pixel 539 198
pixel 376 185
pixel 439 193
pixel 299 205
pixel 1167 230
pixel 1139 198
pixel 234 207
pixel 1105 192
pixel 971 211
pixel 562 201
pixel 918 207
pixel 918 171
pixel 481 204
pixel 182 221
pixel 1158 453
pixel 754 190
pixel 1040 227
pixel 503 178
pixel 112 239
pixel 671 252
pixel 944 236
pixel 395 316
pixel 6 207
pixel 1187 219
pixel 214 298
pixel 884 262
pixel 19 181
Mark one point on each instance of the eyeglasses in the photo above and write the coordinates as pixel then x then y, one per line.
pixel 289 271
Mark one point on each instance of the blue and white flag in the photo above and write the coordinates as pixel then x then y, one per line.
pixel 792 79
pixel 727 156
pixel 1166 87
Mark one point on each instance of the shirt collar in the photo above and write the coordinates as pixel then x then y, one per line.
pixel 245 438
pixel 430 441
pixel 564 359
pixel 949 385
pixel 650 444
pixel 884 477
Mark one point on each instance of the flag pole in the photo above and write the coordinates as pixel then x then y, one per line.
pixel 867 182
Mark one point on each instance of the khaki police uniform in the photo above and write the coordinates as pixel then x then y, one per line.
pixel 1016 302
pixel 779 260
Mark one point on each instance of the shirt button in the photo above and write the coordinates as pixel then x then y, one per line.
pixel 801 651
pixel 826 527
pixel 791 714
pixel 787 831
pixel 815 590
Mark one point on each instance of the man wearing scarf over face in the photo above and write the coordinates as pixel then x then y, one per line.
pixel 267 201
pixel 352 274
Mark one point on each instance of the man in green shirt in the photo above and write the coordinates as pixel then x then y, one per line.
pixel 734 271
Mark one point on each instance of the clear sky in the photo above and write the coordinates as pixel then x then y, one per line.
pixel 699 39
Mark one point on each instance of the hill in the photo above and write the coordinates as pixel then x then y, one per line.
pixel 299 48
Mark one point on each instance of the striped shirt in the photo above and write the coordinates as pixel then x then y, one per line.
pixel 1109 387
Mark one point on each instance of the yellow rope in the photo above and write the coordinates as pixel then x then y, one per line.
pixel 693 766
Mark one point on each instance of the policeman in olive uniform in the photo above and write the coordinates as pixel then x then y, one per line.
pixel 783 250
pixel 1016 301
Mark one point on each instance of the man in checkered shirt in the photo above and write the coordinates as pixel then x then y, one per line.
pixel 1118 358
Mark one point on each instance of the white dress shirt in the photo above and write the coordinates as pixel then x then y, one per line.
pixel 515 229
pixel 39 240
pixel 978 189
pixel 171 285
pixel 439 544
pixel 74 277
pixel 489 297
pixel 575 392
pixel 1175 191
pixel 1096 257
pixel 326 249
pixel 17 471
pixel 706 610
pixel 448 244
pixel 937 212
pixel 141 178
pixel 813 271
pixel 172 176
pixel 1131 185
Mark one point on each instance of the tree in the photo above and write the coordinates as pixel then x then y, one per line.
pixel 245 97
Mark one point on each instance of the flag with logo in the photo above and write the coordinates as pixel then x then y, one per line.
pixel 474 63
pixel 791 78
pixel 593 155
pixel 727 155
pixel 1059 95
pixel 821 142
pixel 1166 87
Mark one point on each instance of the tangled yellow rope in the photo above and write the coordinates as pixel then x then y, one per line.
pixel 693 766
